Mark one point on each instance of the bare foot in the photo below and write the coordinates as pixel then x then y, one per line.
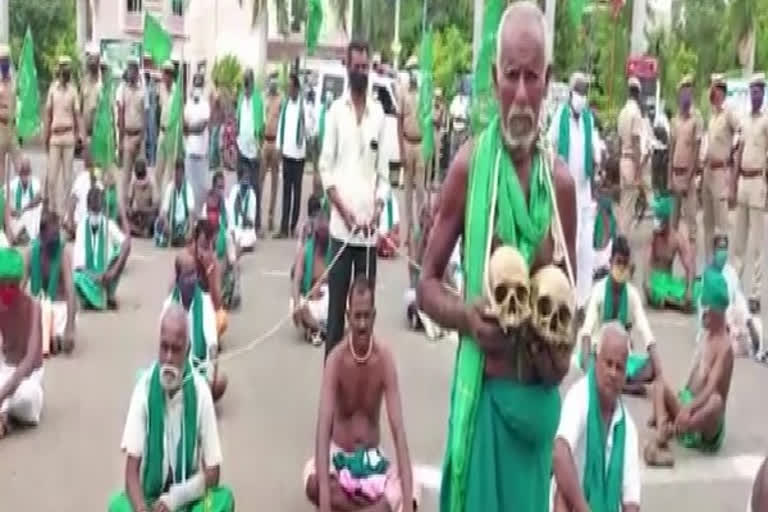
pixel 656 456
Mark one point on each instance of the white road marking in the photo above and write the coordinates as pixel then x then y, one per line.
pixel 141 257
pixel 276 273
pixel 693 470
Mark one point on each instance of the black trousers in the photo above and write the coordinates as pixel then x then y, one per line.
pixel 362 260
pixel 249 167
pixel 293 172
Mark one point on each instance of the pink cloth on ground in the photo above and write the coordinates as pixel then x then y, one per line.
pixel 371 487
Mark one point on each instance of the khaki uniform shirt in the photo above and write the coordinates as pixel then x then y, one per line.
pixel 7 99
pixel 164 98
pixel 65 105
pixel 686 133
pixel 272 114
pixel 722 127
pixel 133 102
pixel 629 124
pixel 90 100
pixel 755 139
pixel 411 125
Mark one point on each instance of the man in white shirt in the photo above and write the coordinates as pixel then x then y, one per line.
pixel 162 472
pixel 575 138
pixel 25 201
pixel 197 113
pixel 86 179
pixel 241 210
pixel 592 470
pixel 177 213
pixel 356 179
pixel 250 127
pixel 291 141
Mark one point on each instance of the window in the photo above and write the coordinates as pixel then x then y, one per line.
pixel 333 83
pixel 177 7
pixel 134 5
pixel 382 94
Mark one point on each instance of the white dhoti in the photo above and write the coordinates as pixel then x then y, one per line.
pixel 318 308
pixel 28 221
pixel 584 247
pixel 53 316
pixel 245 238
pixel 26 403
pixel 602 257
pixel 3 241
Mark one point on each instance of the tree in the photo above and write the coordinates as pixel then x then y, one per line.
pixel 227 73
pixel 453 54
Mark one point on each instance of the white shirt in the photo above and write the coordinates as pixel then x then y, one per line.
pixel 576 150
pixel 635 312
pixel 178 214
pixel 573 430
pixel 194 113
pixel 80 189
pixel 33 189
pixel 246 142
pixel 114 239
pixel 349 163
pixel 288 145
pixel 135 432
pixel 250 213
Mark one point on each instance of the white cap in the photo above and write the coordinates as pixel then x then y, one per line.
pixel 92 48
pixel 578 78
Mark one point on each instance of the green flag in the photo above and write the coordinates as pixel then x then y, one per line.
pixel 425 96
pixel 157 42
pixel 576 9
pixel 103 145
pixel 28 115
pixel 314 23
pixel 483 104
pixel 174 142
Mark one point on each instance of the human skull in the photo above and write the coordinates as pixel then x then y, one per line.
pixel 552 303
pixel 508 287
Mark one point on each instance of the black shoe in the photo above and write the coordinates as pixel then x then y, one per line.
pixel 754 306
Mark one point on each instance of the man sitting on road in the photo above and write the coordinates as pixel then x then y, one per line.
pixel 696 415
pixel 389 229
pixel 177 214
pixel 21 364
pixel 88 178
pixel 100 253
pixel 241 208
pixel 604 235
pixel 615 299
pixel 171 440
pixel 663 289
pixel 200 248
pixel 215 210
pixel 595 468
pixel 348 471
pixel 49 274
pixel 25 200
pixel 204 339
pixel 142 207
pixel 309 286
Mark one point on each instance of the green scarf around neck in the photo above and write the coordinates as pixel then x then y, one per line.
pixel 36 271
pixel 299 124
pixel 2 210
pixel 96 262
pixel 172 209
pixel 197 336
pixel 604 211
pixel 390 214
pixel 257 112
pixel 309 265
pixel 602 488
pixel 110 202
pixel 518 224
pixel 153 481
pixel 564 138
pixel 610 310
pixel 20 194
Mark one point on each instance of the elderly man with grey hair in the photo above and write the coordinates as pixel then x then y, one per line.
pixel 576 140
pixel 594 470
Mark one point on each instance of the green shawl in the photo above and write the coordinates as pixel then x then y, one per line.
pixel 35 271
pixel 518 224
pixel 602 488
pixel 110 202
pixel 604 211
pixel 299 125
pixel 564 138
pixel 610 311
pixel 20 194
pixel 96 263
pixel 257 111
pixel 153 479
pixel 221 237
pixel 2 209
pixel 172 209
pixel 197 336
pixel 390 214
pixel 309 265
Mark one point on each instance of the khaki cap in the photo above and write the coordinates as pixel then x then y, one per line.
pixel 633 82
pixel 718 80
pixel 412 62
pixel 438 93
pixel 64 60
pixel 578 78
pixel 686 81
pixel 168 66
pixel 757 79
pixel 5 52
pixel 132 60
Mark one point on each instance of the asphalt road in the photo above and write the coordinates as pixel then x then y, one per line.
pixel 72 461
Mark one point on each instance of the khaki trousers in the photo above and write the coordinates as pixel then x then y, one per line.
pixel 683 187
pixel 59 178
pixel 165 164
pixel 132 148
pixel 270 165
pixel 715 185
pixel 8 144
pixel 414 178
pixel 629 192
pixel 750 222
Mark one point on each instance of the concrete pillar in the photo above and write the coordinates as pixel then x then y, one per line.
pixel 4 30
pixel 477 30
pixel 551 7
pixel 638 40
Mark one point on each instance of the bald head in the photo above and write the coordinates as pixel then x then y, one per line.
pixel 174 322
pixel 611 363
pixel 174 337
pixel 613 338
pixel 522 19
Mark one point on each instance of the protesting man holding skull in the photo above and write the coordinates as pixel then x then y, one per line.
pixel 516 341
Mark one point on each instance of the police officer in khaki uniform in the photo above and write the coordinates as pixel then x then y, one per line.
pixel 270 162
pixel 9 144
pixel 165 155
pixel 90 91
pixel 751 191
pixel 631 128
pixel 686 131
pixel 717 183
pixel 131 124
pixel 410 146
pixel 438 120
pixel 62 131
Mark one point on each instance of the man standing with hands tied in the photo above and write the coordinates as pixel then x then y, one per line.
pixel 354 177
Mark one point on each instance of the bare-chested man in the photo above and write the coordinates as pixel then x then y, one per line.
pixel 349 473
pixel 309 298
pixel 21 364
pixel 696 415
pixel 209 271
pixel 489 440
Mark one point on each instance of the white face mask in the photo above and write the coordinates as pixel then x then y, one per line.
pixel 578 102
pixel 170 377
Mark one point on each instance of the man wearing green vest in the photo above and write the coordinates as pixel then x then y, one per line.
pixel 250 129
pixel 501 428
pixel 171 439
pixel 596 463
pixel 25 195
pixel 177 214
pixel 49 274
